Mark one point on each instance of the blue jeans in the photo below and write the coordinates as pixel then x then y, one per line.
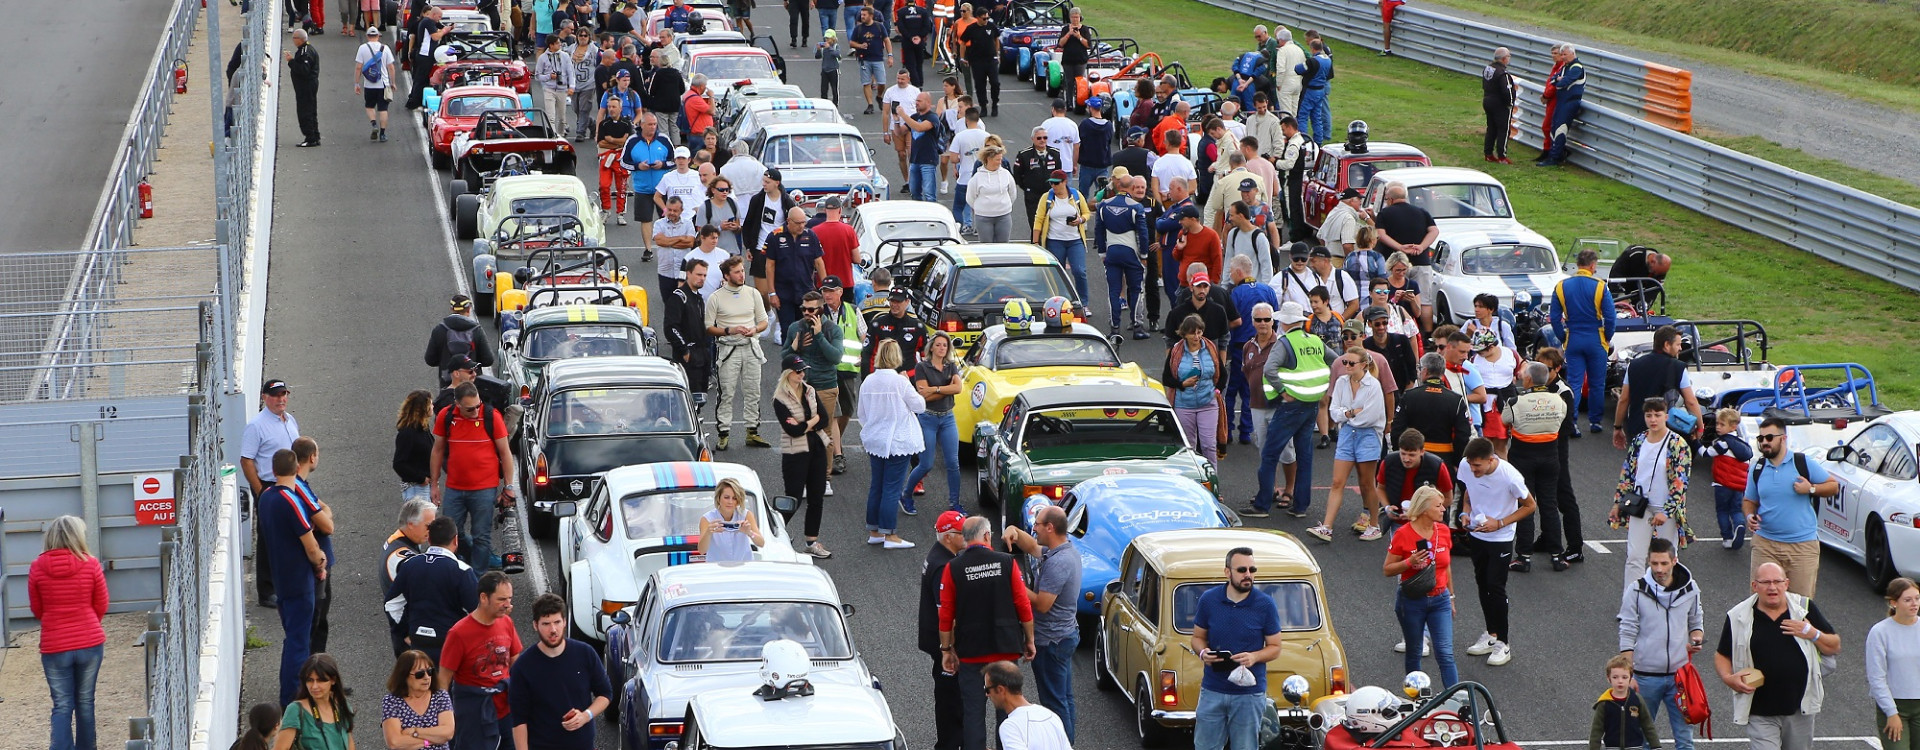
pixel 942 436
pixel 415 492
pixel 962 212
pixel 1238 397
pixel 1733 519
pixel 1073 255
pixel 1586 356
pixel 923 180
pixel 1228 722
pixel 1292 420
pixel 850 12
pixel 1087 176
pixel 70 677
pixel 472 514
pixel 887 482
pixel 1053 676
pixel 826 20
pixel 296 620
pixel 1659 692
pixel 1432 616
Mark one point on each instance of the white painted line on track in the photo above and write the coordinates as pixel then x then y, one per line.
pixel 1868 741
pixel 1599 548
pixel 440 206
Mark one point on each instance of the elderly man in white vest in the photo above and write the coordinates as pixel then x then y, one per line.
pixel 1774 649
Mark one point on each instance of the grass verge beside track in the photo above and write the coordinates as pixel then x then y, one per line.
pixel 1814 310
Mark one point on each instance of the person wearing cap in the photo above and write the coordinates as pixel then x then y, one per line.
pixel 610 135
pixel 1093 151
pixel 840 315
pixel 1134 156
pixel 1292 284
pixel 685 323
pixel 377 58
pixel 948 542
pixel 1059 224
pixel 1122 236
pixel 792 269
pixel 805 420
pixel 1196 243
pixel 622 88
pixel 1033 168
pixel 828 53
pixel 1244 238
pixel 650 155
pixel 1201 301
pixel 963 153
pixel 736 315
pixel 991 195
pixel 458 334
pixel 1343 293
pixel 894 324
pixel 1341 227
pixel 766 211
pixel 1296 375
pixel 1234 184
pixel 463 371
pixel 682 183
pixel 272 429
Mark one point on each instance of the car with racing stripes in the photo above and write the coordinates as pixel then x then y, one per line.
pixel 818 159
pixel 1482 248
pixel 963 289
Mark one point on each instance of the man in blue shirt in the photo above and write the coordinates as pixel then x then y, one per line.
pixel 1121 235
pixel 649 156
pixel 1782 506
pixel 432 590
pixel 794 265
pixel 1234 625
pixel 1248 290
pixel 871 47
pixel 298 565
pixel 270 431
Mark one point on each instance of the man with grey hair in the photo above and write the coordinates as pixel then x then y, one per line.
pixel 948 541
pixel 1498 94
pixel 1032 168
pixel 1437 411
pixel 1055 593
pixel 1565 86
pixel 1535 417
pixel 746 173
pixel 303 69
pixel 1286 97
pixel 985 616
pixel 406 541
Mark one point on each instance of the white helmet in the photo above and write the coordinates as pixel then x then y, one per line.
pixel 445 53
pixel 1371 711
pixel 782 662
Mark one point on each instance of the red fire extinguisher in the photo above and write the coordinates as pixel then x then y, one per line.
pixel 179 76
pixel 146 200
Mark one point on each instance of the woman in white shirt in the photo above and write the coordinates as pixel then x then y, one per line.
pixel 889 408
pixel 1359 407
pixel 1497 366
pixel 992 194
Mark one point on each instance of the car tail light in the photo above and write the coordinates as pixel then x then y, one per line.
pixel 950 322
pixel 1169 687
pixel 1337 681
pixel 1905 519
pixel 665 729
pixel 1048 491
pixel 609 606
pixel 540 478
pixel 1023 39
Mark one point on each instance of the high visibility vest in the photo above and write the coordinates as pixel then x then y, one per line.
pixel 849 338
pixel 1307 379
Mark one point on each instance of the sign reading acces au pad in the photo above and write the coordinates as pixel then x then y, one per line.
pixel 153 499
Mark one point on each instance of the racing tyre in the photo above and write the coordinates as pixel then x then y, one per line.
pixel 1150 732
pixel 1102 673
pixel 442 162
pixel 1879 559
pixel 466 216
pixel 1007 66
pixel 1442 312
pixel 1039 79
pixel 458 187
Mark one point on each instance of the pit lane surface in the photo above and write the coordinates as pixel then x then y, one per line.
pixel 361 273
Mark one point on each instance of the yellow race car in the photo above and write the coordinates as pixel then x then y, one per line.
pixel 1001 365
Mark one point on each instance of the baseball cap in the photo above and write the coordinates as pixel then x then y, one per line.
pixel 1291 312
pixel 950 521
pixel 831 282
pixel 794 362
pixel 773 173
pixel 899 293
pixel 464 362
pixel 374 31
pixel 623 74
pixel 828 35
pixel 1135 134
pixel 1057 176
pixel 1198 279
pixel 832 201
pixel 1356 327
pixel 460 302
pixel 1096 102
pixel 681 152
pixel 1189 212
pixel 1249 184
pixel 274 387
pixel 1320 251
pixel 1373 313
pixel 1297 250
pixel 1349 193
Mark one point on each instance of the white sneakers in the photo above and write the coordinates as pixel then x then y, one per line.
pixel 1483 646
pixel 829 492
pixel 902 544
pixel 1426 646
pixel 1498 653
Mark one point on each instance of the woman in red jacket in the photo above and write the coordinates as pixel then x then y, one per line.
pixel 68 593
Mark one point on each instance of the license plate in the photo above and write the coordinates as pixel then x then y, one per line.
pixel 546 155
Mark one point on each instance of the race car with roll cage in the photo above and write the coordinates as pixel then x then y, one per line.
pixel 1114 73
pixel 513 238
pixel 1050 76
pixel 450 115
pixel 476 56
pixel 574 275
pixel 1027 28
pixel 1462 715
pixel 506 142
pixel 1823 405
pixel 1201 101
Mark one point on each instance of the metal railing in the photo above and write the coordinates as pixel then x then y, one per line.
pixel 119 206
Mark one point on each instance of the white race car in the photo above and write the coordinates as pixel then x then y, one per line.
pixel 759 113
pixel 792 709
pixel 646 517
pixel 915 226
pixel 1876 517
pixel 819 159
pixel 1482 248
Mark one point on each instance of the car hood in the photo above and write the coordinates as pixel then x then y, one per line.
pixel 1042 377
pixel 1071 463
pixel 575 456
pixel 809 176
pixel 670 686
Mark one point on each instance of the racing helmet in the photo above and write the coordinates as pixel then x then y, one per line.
pixel 1417 685
pixel 782 662
pixel 1357 137
pixel 1370 711
pixel 1019 315
pixel 1058 312
pixel 798 196
pixel 446 53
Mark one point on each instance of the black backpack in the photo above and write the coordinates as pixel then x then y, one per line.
pixel 446 418
pixel 459 342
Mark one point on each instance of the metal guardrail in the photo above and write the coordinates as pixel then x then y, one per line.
pixel 119 206
pixel 1625 83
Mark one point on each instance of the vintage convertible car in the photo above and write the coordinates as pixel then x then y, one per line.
pixel 963 289
pixel 1107 512
pixel 587 416
pixel 559 275
pixel 998 367
pixel 454 113
pixel 1146 620
pixel 507 142
pixel 700 628
pixel 1823 405
pixel 1052 439
pixel 819 159
pixel 1482 248
pixel 1459 716
pixel 538 336
pixel 1875 520
pixel 913 225
pixel 477 55
pixel 1030 27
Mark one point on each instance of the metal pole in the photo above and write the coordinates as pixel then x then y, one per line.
pixel 6 632
pixel 216 89
pixel 88 436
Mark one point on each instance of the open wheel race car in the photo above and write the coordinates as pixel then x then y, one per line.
pixel 510 247
pixel 1372 717
pixel 506 142
pixel 486 53
pixel 558 275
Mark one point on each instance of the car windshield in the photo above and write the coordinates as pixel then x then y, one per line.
pixel 1463 201
pixel 618 411
pixel 817 149
pixel 653 515
pixel 1501 260
pixel 545 205
pixel 1093 424
pixel 1299 607
pixel 472 106
pixel 563 342
pixel 736 631
pixel 992 285
pixel 1360 173
pixel 733 67
pixel 1054 351
pixel 783 116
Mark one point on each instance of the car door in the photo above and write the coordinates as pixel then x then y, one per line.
pixel 1146 636
pixel 1862 478
pixel 1122 622
pixel 1006 461
pixel 1321 185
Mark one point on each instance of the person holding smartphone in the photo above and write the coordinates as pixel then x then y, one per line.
pixel 728 532
pixel 1425 544
pixel 1059 223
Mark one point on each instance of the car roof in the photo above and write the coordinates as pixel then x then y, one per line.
pixel 833 715
pixel 751 580
pixel 562 314
pixel 1199 553
pixel 1384 149
pixel 678 475
pixel 811 128
pixel 880 212
pixel 1417 176
pixel 620 370
pixel 535 185
pixel 997 254
pixel 764 103
pixel 1089 394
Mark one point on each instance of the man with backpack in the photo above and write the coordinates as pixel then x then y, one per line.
pixel 470 452
pixel 1658 373
pixel 458 335
pixel 1662 625
pixel 1782 507
pixel 374 82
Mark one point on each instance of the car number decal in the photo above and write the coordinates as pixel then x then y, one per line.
pixel 1059 472
pixel 1114 470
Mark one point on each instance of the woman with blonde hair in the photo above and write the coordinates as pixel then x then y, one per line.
pixel 67 592
pixel 416 712
pixel 936 377
pixel 992 194
pixel 888 409
pixel 728 532
pixel 804 421
pixel 1358 406
pixel 1421 555
pixel 413 445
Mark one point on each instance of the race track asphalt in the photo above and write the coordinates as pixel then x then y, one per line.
pixel 360 274
pixel 77 68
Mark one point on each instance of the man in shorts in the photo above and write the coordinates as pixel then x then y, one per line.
pixel 872 48
pixel 375 66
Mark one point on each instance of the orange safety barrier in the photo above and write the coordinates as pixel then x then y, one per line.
pixel 1669 101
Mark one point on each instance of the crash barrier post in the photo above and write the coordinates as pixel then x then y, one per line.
pixel 1624 83
pixel 1864 232
pixel 6 628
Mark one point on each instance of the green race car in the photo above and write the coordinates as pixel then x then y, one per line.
pixel 1051 439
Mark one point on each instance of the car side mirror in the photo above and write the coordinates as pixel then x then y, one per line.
pixel 1839 453
pixel 564 509
pixel 846 610
pixel 622 618
pixel 785 505
pixel 1113 587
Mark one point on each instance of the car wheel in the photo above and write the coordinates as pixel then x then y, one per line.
pixel 466 216
pixel 1006 65
pixel 459 187
pixel 1102 672
pixel 1879 558
pixel 442 162
pixel 1442 312
pixel 1150 732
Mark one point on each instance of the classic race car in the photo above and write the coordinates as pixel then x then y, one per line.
pixel 724 66
pixel 1146 620
pixel 1727 360
pixel 518 215
pixel 791 711
pixel 1482 249
pixel 700 628
pixel 542 335
pixel 557 275
pixel 746 122
pixel 730 103
pixel 1107 512
pixel 1337 169
pixel 998 367
pixel 1823 405
pixel 914 225
pixel 458 110
pixel 1459 716
pixel 588 415
pixel 819 159
pixel 714 19
pixel 963 289
pixel 507 142
pixel 482 54
pixel 1029 28
pixel 1875 520
pixel 1052 439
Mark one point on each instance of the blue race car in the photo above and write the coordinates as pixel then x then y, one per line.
pixel 1105 513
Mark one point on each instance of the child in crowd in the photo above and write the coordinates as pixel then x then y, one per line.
pixel 1620 719
pixel 1730 454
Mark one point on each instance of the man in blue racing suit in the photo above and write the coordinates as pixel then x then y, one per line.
pixel 1565 86
pixel 1121 235
pixel 1315 74
pixel 1582 312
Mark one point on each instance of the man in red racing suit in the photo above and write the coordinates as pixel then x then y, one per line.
pixel 612 133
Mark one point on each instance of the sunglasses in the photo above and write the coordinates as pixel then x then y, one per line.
pixel 469 410
pixel 723 190
pixel 1349 335
pixel 1263 320
pixel 1349 362
pixel 1381 290
pixel 1247 569
pixel 810 310
pixel 421 674
pixel 1770 438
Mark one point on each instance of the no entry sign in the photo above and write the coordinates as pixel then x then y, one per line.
pixel 153 502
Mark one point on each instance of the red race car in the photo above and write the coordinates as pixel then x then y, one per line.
pixel 456 112
pixel 480 57
pixel 1351 165
pixel 1460 716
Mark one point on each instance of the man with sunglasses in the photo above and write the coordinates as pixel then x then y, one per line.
pixel 1782 508
pixel 1234 625
pixel 1033 167
pixel 1398 350
pixel 470 452
pixel 793 266
pixel 1247 293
